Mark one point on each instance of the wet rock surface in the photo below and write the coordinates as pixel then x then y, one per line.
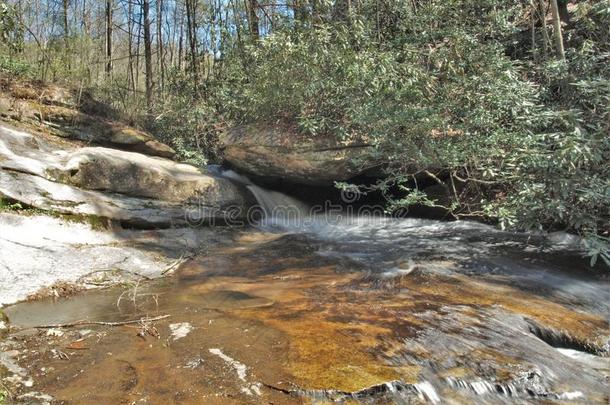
pixel 317 316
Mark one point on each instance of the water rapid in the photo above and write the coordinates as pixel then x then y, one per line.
pixel 335 307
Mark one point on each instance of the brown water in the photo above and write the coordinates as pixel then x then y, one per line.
pixel 399 312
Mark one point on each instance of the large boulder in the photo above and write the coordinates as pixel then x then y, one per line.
pixel 107 132
pixel 138 175
pixel 281 153
pixel 125 186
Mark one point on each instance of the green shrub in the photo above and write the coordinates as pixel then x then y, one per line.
pixel 522 142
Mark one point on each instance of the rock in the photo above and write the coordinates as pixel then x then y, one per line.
pixel 138 212
pixel 111 133
pixel 73 124
pixel 139 175
pixel 128 187
pixel 39 251
pixel 44 93
pixel 74 114
pixel 282 154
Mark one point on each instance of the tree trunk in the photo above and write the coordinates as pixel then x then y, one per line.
pixel 545 34
pixel 67 59
pixel 533 31
pixel 148 55
pixel 252 7
pixel 109 38
pixel 564 14
pixel 301 11
pixel 130 74
pixel 137 51
pixel 160 55
pixel 180 42
pixel 191 14
pixel 557 28
pixel 86 16
pixel 66 27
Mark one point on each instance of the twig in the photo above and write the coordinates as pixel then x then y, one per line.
pixel 435 178
pixel 8 392
pixel 111 270
pixel 177 263
pixel 84 322
pixel 486 182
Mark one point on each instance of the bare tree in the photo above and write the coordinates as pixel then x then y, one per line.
pixel 557 28
pixel 160 50
pixel 252 7
pixel 65 22
pixel 545 34
pixel 191 23
pixel 148 55
pixel 130 73
pixel 109 37
pixel 563 11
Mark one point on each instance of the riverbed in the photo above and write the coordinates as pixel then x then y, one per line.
pixel 371 310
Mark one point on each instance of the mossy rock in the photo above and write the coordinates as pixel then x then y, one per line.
pixel 128 136
pixel 55 114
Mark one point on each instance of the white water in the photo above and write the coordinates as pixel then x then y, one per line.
pixel 393 247
pixel 273 204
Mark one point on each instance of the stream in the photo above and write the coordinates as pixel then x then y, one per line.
pixel 348 309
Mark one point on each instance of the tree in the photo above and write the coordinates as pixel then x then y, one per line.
pixel 148 55
pixel 130 69
pixel 545 34
pixel 11 30
pixel 109 37
pixel 252 7
pixel 563 11
pixel 65 22
pixel 557 30
pixel 191 23
pixel 160 50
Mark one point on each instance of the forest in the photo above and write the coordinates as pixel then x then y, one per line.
pixel 504 104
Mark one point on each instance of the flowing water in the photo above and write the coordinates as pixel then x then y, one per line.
pixel 343 308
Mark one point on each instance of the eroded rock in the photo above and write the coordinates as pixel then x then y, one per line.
pixel 138 175
pixel 124 186
pixel 283 154
pixel 74 114
pixel 112 133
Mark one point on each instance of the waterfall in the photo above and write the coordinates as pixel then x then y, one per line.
pixel 274 204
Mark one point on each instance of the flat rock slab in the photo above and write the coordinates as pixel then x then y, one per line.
pixel 137 212
pixel 38 251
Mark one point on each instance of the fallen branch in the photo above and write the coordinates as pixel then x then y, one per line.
pixel 116 270
pixel 177 263
pixel 84 322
